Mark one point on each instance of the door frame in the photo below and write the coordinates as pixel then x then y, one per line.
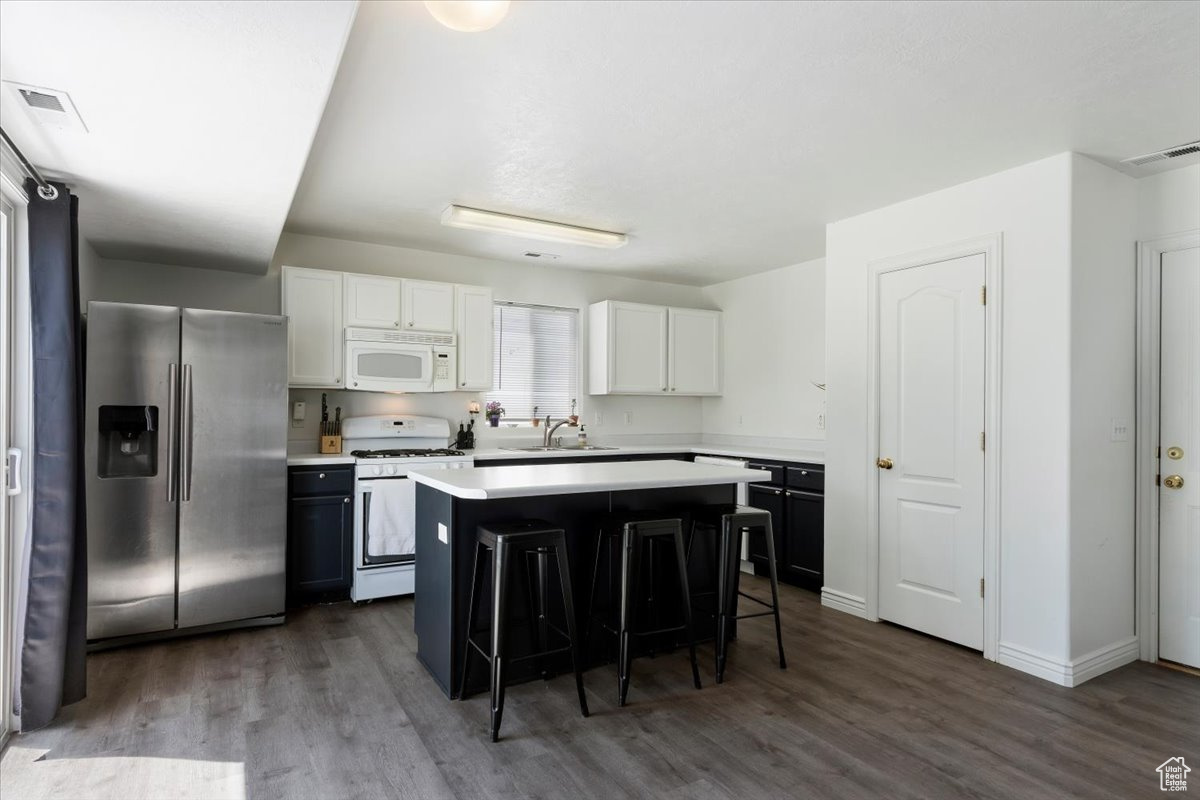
pixel 991 248
pixel 1146 533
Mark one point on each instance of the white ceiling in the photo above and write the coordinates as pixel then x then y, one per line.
pixel 722 136
pixel 200 116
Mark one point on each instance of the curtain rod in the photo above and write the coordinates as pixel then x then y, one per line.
pixel 45 190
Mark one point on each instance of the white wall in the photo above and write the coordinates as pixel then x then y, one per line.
pixel 1169 203
pixel 666 419
pixel 774 348
pixel 1103 344
pixel 1030 206
pixel 1066 507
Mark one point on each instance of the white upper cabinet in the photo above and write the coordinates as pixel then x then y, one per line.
pixel 372 302
pixel 474 313
pixel 642 349
pixel 312 301
pixel 627 343
pixel 427 306
pixel 694 347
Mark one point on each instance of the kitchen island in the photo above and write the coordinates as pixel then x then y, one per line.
pixel 452 504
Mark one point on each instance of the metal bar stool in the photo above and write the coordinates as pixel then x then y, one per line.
pixel 506 543
pixel 638 535
pixel 730 523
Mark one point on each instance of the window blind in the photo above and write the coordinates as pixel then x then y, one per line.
pixel 537 360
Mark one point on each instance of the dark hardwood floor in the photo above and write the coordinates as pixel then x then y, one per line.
pixel 334 704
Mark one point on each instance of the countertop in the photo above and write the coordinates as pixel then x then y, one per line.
pixel 732 451
pixel 490 483
pixel 485 454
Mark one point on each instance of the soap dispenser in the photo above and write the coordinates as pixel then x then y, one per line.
pixel 582 436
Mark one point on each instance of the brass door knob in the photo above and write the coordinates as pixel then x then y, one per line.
pixel 884 463
pixel 1173 481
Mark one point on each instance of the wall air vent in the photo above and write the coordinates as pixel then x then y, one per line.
pixel 49 107
pixel 1163 155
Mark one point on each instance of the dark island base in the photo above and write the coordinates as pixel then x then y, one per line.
pixel 445 533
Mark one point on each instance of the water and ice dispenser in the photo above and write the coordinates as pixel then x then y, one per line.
pixel 128 446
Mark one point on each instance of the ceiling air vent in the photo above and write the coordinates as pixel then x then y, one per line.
pixel 49 107
pixel 1163 155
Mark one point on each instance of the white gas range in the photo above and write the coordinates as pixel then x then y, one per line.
pixel 385 447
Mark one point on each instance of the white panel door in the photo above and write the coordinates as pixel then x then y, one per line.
pixel 474 314
pixel 312 301
pixel 372 302
pixel 694 363
pixel 637 348
pixel 427 306
pixel 931 420
pixel 1179 459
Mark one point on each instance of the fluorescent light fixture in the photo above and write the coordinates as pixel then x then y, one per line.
pixel 476 219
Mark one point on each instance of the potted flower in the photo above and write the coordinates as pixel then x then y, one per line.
pixel 494 412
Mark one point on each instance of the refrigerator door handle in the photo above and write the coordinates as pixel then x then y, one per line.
pixel 172 431
pixel 185 437
pixel 14 472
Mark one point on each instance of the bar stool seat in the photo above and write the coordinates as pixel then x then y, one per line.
pixel 730 522
pixel 505 543
pixel 638 533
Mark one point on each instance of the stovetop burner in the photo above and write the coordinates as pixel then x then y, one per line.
pixel 407 453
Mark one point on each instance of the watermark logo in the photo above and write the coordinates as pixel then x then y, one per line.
pixel 1172 775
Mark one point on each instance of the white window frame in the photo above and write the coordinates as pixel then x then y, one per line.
pixel 14 567
pixel 523 422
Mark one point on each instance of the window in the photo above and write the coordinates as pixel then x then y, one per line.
pixel 537 360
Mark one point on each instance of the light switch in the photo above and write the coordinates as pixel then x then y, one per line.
pixel 628 417
pixel 298 409
pixel 1120 429
pixel 443 533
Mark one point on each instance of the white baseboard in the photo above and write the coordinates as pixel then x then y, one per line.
pixel 843 601
pixel 1068 673
pixel 1103 660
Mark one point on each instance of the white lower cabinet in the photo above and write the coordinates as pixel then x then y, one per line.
pixel 474 313
pixel 635 348
pixel 312 302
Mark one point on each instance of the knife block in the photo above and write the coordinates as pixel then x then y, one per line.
pixel 331 445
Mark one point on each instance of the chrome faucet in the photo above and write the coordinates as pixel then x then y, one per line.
pixel 550 431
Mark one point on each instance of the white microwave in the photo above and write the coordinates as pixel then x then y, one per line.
pixel 380 360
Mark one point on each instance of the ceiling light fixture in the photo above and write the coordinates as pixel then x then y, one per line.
pixel 492 222
pixel 468 16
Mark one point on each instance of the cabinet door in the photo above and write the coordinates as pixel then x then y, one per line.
pixel 694 344
pixel 766 498
pixel 320 550
pixel 473 312
pixel 803 554
pixel 312 301
pixel 427 306
pixel 637 348
pixel 372 302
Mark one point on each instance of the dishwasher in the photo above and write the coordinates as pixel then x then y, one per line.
pixel 742 495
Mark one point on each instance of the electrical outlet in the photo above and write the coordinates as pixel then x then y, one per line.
pixel 598 419
pixel 740 420
pixel 1120 430
pixel 628 417
pixel 821 417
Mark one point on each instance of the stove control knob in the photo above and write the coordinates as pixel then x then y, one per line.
pixel 376 471
pixel 391 469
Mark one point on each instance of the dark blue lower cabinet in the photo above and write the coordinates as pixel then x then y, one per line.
pixel 798 517
pixel 320 548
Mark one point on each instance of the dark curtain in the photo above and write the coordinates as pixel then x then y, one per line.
pixel 54 647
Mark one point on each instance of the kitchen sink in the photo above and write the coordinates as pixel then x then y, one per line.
pixel 585 447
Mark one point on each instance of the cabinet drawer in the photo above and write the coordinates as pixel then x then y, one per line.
pixel 309 481
pixel 807 477
pixel 774 472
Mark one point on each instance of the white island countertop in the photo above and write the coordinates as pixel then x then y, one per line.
pixel 490 483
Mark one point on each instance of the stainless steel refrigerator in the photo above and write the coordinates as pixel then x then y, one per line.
pixel 186 465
